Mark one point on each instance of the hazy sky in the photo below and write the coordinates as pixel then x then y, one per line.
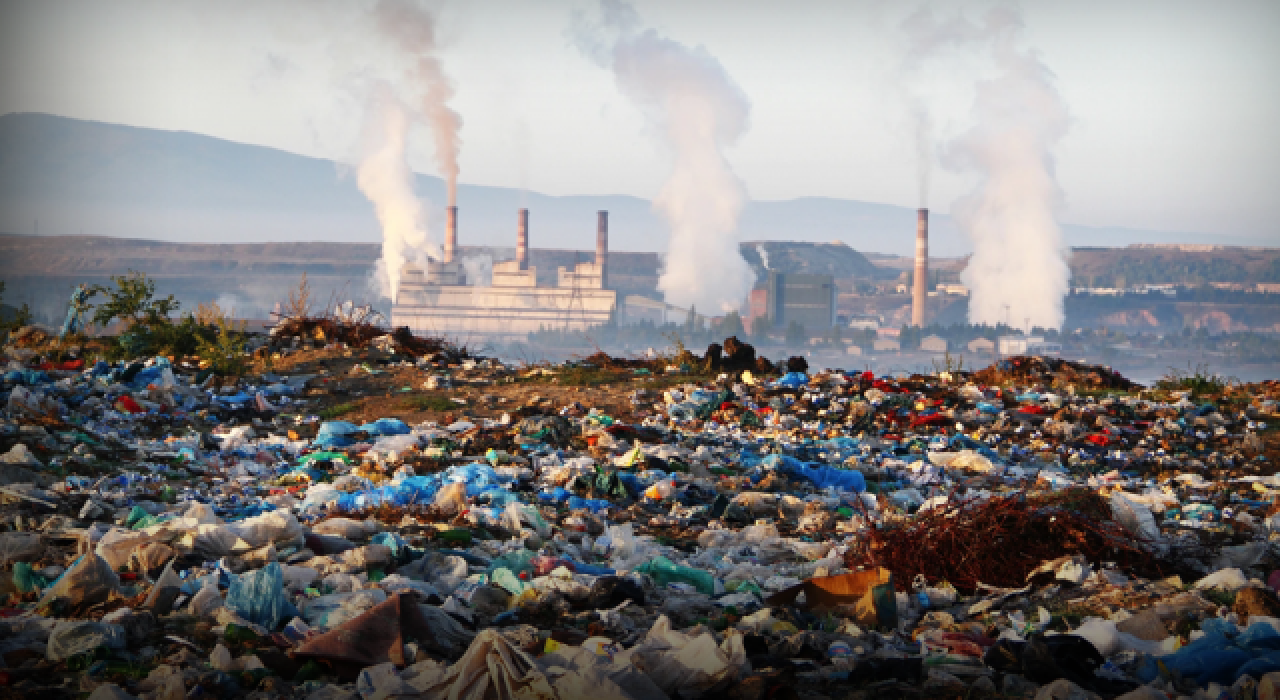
pixel 1174 104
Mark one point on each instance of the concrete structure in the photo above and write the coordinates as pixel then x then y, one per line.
pixel 436 300
pixel 865 322
pixel 602 247
pixel 1027 345
pixel 886 345
pixel 757 308
pixel 809 300
pixel 920 286
pixel 981 345
pixel 450 233
pixel 933 343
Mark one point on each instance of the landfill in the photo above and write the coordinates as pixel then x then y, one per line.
pixel 383 516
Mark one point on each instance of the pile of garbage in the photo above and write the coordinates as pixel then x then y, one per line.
pixel 698 527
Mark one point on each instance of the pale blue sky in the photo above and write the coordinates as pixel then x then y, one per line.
pixel 1174 103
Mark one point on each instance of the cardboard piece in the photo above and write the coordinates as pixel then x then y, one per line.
pixel 869 593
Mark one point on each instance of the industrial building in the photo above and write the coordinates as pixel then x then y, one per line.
pixel 1027 345
pixel 436 299
pixel 809 300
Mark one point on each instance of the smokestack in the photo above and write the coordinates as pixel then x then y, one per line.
pixel 920 293
pixel 450 233
pixel 602 247
pixel 522 240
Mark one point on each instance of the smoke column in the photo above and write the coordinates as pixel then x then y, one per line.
pixel 413 31
pixel 384 177
pixel 698 111
pixel 1018 272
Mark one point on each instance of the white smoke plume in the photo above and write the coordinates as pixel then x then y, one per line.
pixel 413 31
pixel 698 111
pixel 384 175
pixel 1018 272
pixel 385 178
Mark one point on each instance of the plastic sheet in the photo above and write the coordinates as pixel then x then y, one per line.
pixel 336 434
pixel 72 637
pixel 664 572
pixel 20 546
pixel 819 475
pixel 88 581
pixel 258 596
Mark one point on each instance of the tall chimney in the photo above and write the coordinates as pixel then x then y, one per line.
pixel 920 293
pixel 602 247
pixel 522 240
pixel 450 233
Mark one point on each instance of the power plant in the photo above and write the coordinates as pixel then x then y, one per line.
pixel 436 299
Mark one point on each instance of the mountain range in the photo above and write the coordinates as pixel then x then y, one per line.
pixel 61 176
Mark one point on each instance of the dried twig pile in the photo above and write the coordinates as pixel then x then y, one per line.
pixel 999 541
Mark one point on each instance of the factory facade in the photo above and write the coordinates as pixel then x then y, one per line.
pixel 435 299
pixel 784 298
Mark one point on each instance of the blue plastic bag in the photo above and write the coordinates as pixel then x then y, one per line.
pixel 386 426
pixel 336 433
pixel 821 476
pixel 795 380
pixel 258 596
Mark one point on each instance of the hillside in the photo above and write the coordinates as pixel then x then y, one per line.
pixel 92 178
pixel 1180 265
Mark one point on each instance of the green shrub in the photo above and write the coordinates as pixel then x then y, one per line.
pixel 430 402
pixel 339 410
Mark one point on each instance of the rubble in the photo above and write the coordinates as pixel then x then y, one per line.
pixel 364 513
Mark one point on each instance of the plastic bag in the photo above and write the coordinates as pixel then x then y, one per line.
pixel 164 592
pixel 332 610
pixel 89 581
pixel 529 514
pixel 1135 517
pixel 1227 579
pixel 336 434
pixel 445 572
pixel 206 600
pixel 507 581
pixel 683 665
pixel 72 637
pixel 25 579
pixel 665 572
pixel 258 596
pixel 20 546
pixel 201 513
pixel 516 561
pixel 275 527
pixel 451 498
pixel 342 527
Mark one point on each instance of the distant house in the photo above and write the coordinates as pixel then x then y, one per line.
pixel 887 345
pixel 865 322
pixel 853 350
pixel 981 345
pixel 1027 345
pixel 933 343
